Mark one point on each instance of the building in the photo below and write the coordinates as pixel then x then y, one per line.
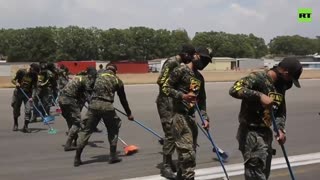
pixel 221 63
pixel 248 63
pixel 77 66
pixel 155 65
pixel 132 67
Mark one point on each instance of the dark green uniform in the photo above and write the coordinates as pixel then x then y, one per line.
pixel 254 132
pixel 183 80
pixel 28 83
pixel 164 106
pixel 71 100
pixel 101 107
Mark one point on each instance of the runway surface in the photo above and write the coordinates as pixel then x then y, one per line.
pixel 40 156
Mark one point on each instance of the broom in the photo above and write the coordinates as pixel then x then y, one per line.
pixel 128 149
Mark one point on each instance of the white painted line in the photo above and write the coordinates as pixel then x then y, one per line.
pixel 238 169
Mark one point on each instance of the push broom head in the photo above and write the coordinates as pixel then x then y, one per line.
pixel 131 149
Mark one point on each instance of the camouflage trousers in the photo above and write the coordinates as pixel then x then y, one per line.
pixel 255 145
pixel 17 99
pixel 72 114
pixel 45 97
pixel 92 119
pixel 185 133
pixel 164 106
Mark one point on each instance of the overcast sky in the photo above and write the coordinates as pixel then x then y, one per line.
pixel 264 18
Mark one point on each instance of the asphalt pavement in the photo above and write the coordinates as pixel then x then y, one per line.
pixel 39 155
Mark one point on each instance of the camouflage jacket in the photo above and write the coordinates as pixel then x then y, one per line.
pixel 46 80
pixel 27 81
pixel 104 91
pixel 63 78
pixel 168 66
pixel 252 112
pixel 183 80
pixel 79 89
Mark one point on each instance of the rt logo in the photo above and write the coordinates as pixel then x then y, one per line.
pixel 304 15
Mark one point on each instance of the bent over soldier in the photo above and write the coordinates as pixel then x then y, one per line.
pixel 261 93
pixel 71 100
pixel 25 81
pixel 101 107
pixel 186 86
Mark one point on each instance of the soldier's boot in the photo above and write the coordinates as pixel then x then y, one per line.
pixel 25 127
pixel 68 146
pixel 113 155
pixel 77 159
pixel 166 170
pixel 15 124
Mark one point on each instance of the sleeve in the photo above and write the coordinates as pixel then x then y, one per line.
pixel 244 88
pixel 170 83
pixel 165 72
pixel 280 116
pixel 17 77
pixel 123 98
pixel 202 100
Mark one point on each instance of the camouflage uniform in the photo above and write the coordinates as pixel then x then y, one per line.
pixel 71 100
pixel 164 106
pixel 254 132
pixel 63 78
pixel 183 80
pixel 101 107
pixel 28 83
pixel 46 83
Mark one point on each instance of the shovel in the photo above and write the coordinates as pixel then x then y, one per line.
pixel 51 130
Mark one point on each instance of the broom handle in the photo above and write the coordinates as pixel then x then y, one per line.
pixel 32 103
pixel 44 110
pixel 150 130
pixel 118 136
pixel 122 141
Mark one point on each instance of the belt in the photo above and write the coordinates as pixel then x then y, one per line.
pixel 102 99
pixel 257 127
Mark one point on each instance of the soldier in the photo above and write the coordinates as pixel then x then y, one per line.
pixel 53 70
pixel 26 80
pixel 63 77
pixel 101 107
pixel 46 83
pixel 71 99
pixel 164 106
pixel 259 92
pixel 186 85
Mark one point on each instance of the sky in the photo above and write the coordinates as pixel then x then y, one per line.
pixel 263 18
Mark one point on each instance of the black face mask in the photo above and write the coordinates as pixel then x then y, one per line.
pixel 281 83
pixel 199 64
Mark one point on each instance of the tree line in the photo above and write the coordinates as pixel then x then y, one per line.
pixel 137 43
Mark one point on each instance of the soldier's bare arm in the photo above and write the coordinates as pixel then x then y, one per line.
pixel 123 99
